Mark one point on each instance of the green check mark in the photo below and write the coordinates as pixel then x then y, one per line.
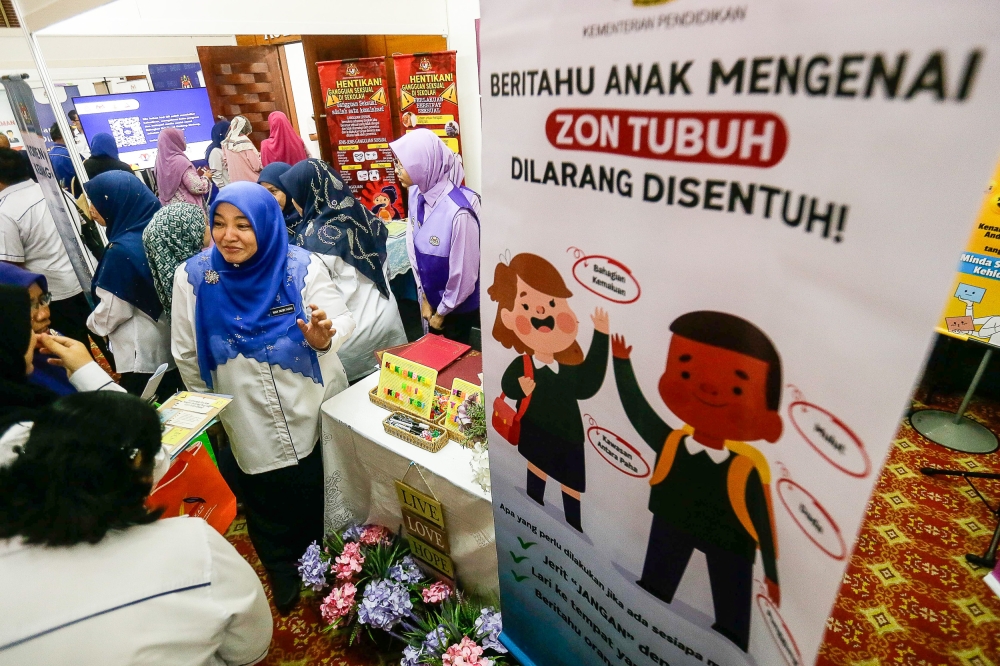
pixel 518 579
pixel 525 545
pixel 518 560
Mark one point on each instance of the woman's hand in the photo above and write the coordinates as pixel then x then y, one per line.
pixel 527 385
pixel 425 309
pixel 319 331
pixel 70 354
pixel 436 322
pixel 600 319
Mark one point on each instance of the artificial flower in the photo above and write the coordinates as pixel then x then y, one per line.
pixel 436 593
pixel 488 628
pixel 353 533
pixel 372 535
pixel 349 562
pixel 338 603
pixel 411 656
pixel 384 604
pixel 312 569
pixel 406 571
pixel 465 653
pixel 434 642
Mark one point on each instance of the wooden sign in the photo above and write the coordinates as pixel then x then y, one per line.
pixel 460 390
pixel 431 556
pixel 413 500
pixel 423 529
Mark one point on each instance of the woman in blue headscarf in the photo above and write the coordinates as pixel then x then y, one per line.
pixel 104 157
pixel 220 175
pixel 351 242
pixel 128 310
pixel 270 178
pixel 260 320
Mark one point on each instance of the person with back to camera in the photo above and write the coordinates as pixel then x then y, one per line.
pixel 258 319
pixel 351 242
pixel 90 576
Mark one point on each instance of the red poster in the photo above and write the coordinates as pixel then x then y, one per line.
pixel 428 96
pixel 356 98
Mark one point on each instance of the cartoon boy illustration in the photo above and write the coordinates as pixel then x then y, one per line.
pixel 534 318
pixel 709 488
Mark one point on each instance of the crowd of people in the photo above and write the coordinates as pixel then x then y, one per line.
pixel 258 276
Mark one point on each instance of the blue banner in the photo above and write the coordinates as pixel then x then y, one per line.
pixel 175 76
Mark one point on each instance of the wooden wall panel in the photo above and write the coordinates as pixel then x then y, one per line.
pixel 247 80
pixel 321 48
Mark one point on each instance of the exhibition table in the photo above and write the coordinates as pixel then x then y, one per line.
pixel 362 463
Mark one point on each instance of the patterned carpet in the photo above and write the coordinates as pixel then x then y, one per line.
pixel 908 596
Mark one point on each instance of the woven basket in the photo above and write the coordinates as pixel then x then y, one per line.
pixel 385 404
pixel 433 445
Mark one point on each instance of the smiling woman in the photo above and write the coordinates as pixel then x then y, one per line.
pixel 535 319
pixel 258 319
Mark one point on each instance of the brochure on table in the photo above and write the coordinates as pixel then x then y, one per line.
pixel 760 202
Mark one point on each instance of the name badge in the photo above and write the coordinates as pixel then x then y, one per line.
pixel 434 240
pixel 281 310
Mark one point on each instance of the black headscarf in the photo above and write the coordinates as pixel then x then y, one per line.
pixel 18 399
pixel 334 223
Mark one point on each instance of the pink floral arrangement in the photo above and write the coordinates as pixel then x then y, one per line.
pixel 338 603
pixel 436 593
pixel 349 562
pixel 374 535
pixel 465 653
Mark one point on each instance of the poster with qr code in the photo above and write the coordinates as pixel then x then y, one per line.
pixel 127 131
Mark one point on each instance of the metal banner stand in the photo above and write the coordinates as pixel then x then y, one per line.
pixel 955 430
pixel 989 559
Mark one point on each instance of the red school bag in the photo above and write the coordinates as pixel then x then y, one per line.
pixel 506 421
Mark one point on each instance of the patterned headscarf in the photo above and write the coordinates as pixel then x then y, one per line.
pixel 237 140
pixel 175 234
pixel 334 223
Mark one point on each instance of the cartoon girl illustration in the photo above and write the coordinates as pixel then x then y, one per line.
pixel 383 204
pixel 535 319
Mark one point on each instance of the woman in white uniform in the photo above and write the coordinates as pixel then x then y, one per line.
pixel 90 576
pixel 261 320
pixel 351 241
pixel 129 312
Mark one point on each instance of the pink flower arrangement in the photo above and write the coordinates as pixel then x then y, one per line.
pixel 436 593
pixel 465 653
pixel 338 603
pixel 349 562
pixel 372 535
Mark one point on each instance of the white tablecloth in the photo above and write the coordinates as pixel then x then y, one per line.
pixel 362 463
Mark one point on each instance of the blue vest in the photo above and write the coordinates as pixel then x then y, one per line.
pixel 432 246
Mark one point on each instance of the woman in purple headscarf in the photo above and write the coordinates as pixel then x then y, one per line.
pixel 442 233
pixel 176 178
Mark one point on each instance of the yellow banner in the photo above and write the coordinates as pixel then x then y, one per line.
pixel 973 309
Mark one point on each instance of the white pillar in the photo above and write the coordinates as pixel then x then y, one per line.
pixel 462 15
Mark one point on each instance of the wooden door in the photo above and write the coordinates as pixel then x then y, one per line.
pixel 249 81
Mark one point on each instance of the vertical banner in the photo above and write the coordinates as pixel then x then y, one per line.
pixel 973 308
pixel 428 97
pixel 22 103
pixel 714 261
pixel 356 99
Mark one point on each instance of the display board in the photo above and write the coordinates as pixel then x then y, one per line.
pixel 428 96
pixel 8 125
pixel 762 204
pixel 135 121
pixel 356 99
pixel 973 309
pixel 22 101
pixel 176 76
pixel 407 386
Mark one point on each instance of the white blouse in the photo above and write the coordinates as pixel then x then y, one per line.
pixel 171 592
pixel 377 318
pixel 274 419
pixel 138 343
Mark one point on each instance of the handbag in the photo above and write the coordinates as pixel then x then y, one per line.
pixel 506 421
pixel 193 486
